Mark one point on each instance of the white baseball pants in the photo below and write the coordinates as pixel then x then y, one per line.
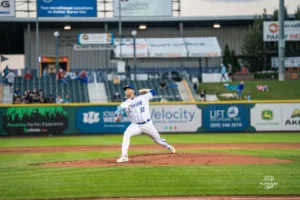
pixel 147 129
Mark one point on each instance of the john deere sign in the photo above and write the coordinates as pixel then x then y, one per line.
pixel 32 121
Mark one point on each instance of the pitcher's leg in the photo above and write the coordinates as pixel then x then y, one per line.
pixel 150 130
pixel 132 130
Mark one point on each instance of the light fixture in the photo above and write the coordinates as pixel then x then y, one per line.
pixel 56 34
pixel 217 25
pixel 143 27
pixel 134 33
pixel 67 27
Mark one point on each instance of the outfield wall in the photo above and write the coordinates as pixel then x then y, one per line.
pixel 70 119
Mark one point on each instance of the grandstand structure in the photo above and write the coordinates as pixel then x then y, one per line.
pixel 21 32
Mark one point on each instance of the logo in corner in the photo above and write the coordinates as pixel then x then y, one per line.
pixel 91 117
pixel 273 28
pixel 232 112
pixel 267 115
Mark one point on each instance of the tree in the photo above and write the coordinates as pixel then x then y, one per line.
pixel 275 15
pixel 227 58
pixel 297 13
pixel 235 62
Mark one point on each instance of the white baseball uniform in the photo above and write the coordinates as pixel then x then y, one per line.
pixel 138 112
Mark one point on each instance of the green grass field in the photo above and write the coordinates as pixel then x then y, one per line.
pixel 276 88
pixel 18 180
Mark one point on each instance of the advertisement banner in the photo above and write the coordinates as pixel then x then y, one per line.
pixel 266 117
pixel 167 47
pixel 96 38
pixel 7 8
pixel 290 117
pixel 225 118
pixel 99 119
pixel 176 118
pixel 67 8
pixel 144 8
pixel 127 48
pixel 291 31
pixel 203 47
pixel 24 121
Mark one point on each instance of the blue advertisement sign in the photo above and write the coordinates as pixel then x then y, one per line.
pixel 99 119
pixel 225 118
pixel 67 8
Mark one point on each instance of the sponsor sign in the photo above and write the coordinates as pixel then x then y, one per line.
pixel 93 47
pixel 291 31
pixel 67 8
pixel 203 47
pixel 166 118
pixel 266 117
pixel 35 121
pixel 127 48
pixel 144 8
pixel 95 38
pixel 176 118
pixel 291 117
pixel 167 47
pixel 7 8
pixel 290 62
pixel 225 118
pixel 99 119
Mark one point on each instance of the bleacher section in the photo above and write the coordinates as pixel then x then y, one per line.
pixel 77 91
pixel 167 93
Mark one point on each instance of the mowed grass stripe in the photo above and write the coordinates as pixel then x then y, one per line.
pixel 171 138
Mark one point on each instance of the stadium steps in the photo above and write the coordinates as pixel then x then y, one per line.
pixel 97 92
pixel 183 92
pixel 7 95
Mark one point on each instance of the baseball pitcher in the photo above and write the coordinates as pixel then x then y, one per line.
pixel 137 110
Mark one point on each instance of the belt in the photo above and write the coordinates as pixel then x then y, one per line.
pixel 141 123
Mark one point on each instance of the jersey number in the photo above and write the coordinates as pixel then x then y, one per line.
pixel 142 109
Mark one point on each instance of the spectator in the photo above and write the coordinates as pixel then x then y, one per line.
pixel 173 85
pixel 28 75
pixel 42 99
pixel 25 98
pixel 10 78
pixel 203 94
pixel 45 72
pixel 40 92
pixel 163 100
pixel 5 73
pixel 162 84
pixel 117 97
pixel 17 100
pixel 83 76
pixel 67 99
pixel 195 86
pixel 59 100
pixel 50 100
pixel 61 76
pixel 17 92
pixel 223 72
pixel 240 89
pixel 230 72
pixel 117 80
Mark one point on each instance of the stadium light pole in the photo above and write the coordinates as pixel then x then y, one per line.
pixel 281 41
pixel 56 35
pixel 134 33
pixel 120 29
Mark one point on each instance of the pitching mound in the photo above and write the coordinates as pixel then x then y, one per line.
pixel 171 159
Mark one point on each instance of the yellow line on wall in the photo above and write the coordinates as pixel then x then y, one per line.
pixel 152 103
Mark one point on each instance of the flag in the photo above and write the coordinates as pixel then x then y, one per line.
pixel 3 58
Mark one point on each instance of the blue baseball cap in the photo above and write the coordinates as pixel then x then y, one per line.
pixel 128 86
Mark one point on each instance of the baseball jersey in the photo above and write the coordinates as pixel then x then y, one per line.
pixel 137 109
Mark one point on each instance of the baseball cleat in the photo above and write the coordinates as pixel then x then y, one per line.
pixel 123 158
pixel 172 149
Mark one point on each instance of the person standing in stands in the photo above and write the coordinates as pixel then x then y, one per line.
pixel 223 72
pixel 230 72
pixel 5 73
pixel 83 76
pixel 10 79
pixel 28 75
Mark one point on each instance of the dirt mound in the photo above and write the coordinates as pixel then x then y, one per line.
pixel 147 147
pixel 171 159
